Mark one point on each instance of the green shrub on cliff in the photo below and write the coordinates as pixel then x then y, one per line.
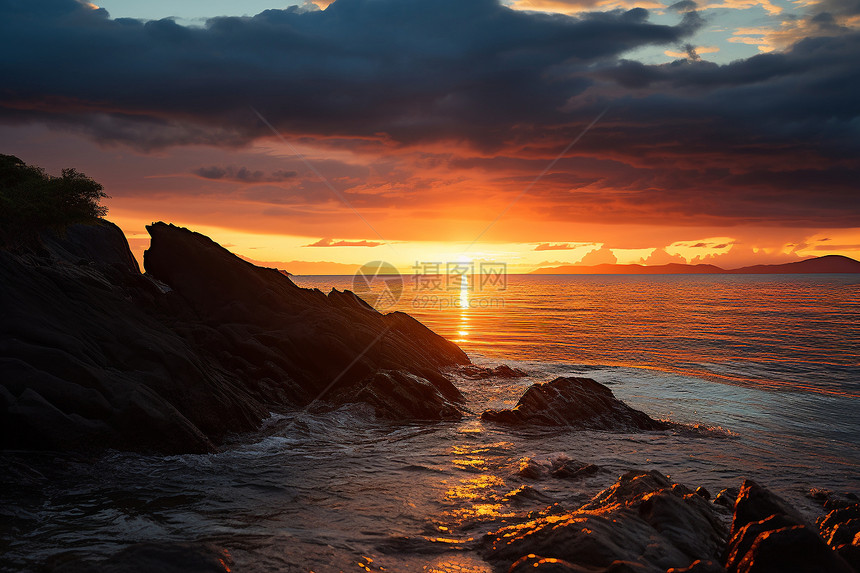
pixel 32 201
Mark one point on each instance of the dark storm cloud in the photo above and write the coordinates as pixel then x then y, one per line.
pixel 773 138
pixel 683 6
pixel 242 174
pixel 414 69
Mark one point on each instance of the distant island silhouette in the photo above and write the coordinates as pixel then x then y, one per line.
pixel 829 264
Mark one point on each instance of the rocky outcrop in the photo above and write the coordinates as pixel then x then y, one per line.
pixel 642 523
pixel 579 403
pixel 95 355
pixel 840 528
pixel 769 536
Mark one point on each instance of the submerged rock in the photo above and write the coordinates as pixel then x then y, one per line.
pixel 476 372
pixel 572 469
pixel 148 557
pixel 95 355
pixel 579 403
pixel 530 469
pixel 642 523
pixel 526 494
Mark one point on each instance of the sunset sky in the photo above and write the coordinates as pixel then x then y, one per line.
pixel 722 131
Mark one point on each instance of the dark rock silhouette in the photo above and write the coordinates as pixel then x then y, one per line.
pixel 841 530
pixel 755 503
pixel 727 497
pixel 796 549
pixel 579 403
pixel 95 355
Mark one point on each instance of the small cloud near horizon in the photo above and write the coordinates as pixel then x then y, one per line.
pixel 601 256
pixel 332 243
pixel 661 257
pixel 560 246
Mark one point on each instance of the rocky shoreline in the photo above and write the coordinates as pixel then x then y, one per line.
pixel 95 356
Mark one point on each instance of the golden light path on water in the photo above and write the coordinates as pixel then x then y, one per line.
pixel 463 332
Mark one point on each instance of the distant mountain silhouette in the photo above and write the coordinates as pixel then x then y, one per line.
pixel 825 264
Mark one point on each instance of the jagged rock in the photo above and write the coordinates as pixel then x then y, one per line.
pixel 843 533
pixel 755 503
pixel 797 549
pixel 476 372
pixel 95 355
pixel 526 494
pixel 397 395
pixel 642 520
pixel 727 497
pixel 700 566
pixel 770 536
pixel 579 403
pixel 831 500
pixel 841 530
pixel 572 469
pixel 850 552
pixel 703 492
pixel 743 540
pixel 99 242
pixel 530 469
pixel 840 526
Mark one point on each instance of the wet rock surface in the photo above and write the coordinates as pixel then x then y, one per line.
pixel 840 528
pixel 95 355
pixel 642 523
pixel 579 403
pixel 646 523
pixel 476 372
pixel 769 535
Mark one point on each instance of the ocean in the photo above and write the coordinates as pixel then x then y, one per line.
pixel 761 371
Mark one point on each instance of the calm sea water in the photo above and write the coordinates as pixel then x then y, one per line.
pixel 764 370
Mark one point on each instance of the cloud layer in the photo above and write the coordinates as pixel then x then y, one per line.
pixel 463 91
